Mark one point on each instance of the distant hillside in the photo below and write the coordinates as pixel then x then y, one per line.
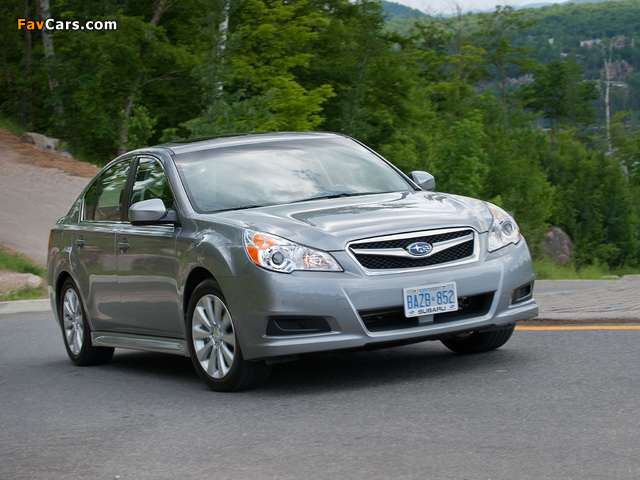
pixel 595 33
pixel 395 10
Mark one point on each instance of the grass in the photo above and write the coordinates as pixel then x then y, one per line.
pixel 18 263
pixel 548 270
pixel 11 126
pixel 27 293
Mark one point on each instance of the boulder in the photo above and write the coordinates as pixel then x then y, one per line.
pixel 13 281
pixel 558 246
pixel 40 141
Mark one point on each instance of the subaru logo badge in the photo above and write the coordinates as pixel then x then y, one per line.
pixel 420 249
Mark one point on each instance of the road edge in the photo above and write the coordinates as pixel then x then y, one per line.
pixel 25 306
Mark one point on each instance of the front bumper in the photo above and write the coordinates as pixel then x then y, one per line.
pixel 350 310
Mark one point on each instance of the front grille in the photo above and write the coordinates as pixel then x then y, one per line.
pixel 392 318
pixel 390 253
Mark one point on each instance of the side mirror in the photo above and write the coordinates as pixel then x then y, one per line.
pixel 151 212
pixel 425 180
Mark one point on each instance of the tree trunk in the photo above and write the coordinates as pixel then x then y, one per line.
pixel 47 43
pixel 8 80
pixel 223 28
pixel 123 134
pixel 26 73
pixel 354 104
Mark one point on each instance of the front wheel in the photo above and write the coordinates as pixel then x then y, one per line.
pixel 476 342
pixel 76 331
pixel 213 343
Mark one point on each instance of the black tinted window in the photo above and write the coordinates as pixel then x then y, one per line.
pixel 103 200
pixel 151 182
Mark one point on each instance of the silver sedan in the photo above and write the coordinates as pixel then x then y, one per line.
pixel 245 251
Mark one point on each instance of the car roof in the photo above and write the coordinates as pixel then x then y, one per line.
pixel 195 145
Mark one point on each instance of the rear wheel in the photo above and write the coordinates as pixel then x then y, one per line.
pixel 76 331
pixel 476 342
pixel 213 343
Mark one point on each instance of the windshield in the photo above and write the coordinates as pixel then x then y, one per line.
pixel 279 172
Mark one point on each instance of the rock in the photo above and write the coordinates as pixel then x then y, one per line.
pixel 13 281
pixel 558 246
pixel 40 141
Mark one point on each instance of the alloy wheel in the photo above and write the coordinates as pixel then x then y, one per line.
pixel 213 336
pixel 72 321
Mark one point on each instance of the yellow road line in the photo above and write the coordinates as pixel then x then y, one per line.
pixel 584 327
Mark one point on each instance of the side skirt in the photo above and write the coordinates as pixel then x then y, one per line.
pixel 175 346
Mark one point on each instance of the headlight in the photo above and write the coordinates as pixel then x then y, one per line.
pixel 281 255
pixel 504 229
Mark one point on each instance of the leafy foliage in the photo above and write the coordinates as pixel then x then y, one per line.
pixel 259 90
pixel 560 93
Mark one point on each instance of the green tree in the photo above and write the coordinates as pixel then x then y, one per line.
pixel 594 203
pixel 517 180
pixel 562 96
pixel 371 76
pixel 135 77
pixel 268 42
pixel 23 76
pixel 460 159
pixel 496 34
pixel 625 139
pixel 450 60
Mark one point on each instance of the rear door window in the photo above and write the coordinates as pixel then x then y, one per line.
pixel 104 199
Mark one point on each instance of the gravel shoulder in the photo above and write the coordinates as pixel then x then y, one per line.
pixel 588 301
pixel 36 188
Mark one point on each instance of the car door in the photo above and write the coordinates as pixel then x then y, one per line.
pixel 93 255
pixel 146 261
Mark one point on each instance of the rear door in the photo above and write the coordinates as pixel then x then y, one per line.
pixel 93 253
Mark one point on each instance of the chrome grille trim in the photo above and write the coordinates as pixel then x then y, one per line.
pixel 401 252
pixel 389 247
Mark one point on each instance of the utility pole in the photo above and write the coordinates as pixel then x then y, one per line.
pixel 607 95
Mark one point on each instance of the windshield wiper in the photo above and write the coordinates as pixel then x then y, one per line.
pixel 337 195
pixel 320 197
pixel 243 207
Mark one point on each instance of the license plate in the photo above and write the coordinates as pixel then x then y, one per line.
pixel 430 299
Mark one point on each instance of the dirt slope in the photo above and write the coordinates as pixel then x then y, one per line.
pixel 36 188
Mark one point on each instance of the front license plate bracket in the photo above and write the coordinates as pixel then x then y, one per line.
pixel 430 299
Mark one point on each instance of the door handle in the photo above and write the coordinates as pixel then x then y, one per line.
pixel 123 245
pixel 80 241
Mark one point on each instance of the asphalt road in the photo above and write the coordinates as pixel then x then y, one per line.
pixel 549 404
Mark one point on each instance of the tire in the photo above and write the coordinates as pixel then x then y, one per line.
pixel 476 342
pixel 213 344
pixel 76 331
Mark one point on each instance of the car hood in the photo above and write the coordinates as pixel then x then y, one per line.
pixel 330 224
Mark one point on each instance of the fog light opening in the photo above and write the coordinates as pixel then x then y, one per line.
pixel 522 293
pixel 282 326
